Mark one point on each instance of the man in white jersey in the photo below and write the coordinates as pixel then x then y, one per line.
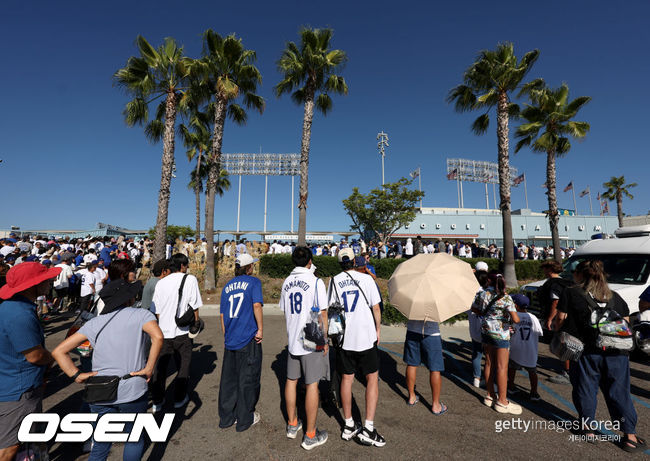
pixel 101 276
pixel 301 292
pixel 359 295
pixel 523 346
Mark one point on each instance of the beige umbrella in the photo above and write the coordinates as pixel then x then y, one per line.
pixel 432 287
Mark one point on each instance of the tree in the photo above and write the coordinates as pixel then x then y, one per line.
pixel 551 112
pixel 487 83
pixel 226 72
pixel 615 190
pixel 156 73
pixel 196 138
pixel 309 70
pixel 383 210
pixel 173 233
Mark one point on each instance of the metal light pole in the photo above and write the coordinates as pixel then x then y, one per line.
pixel 381 145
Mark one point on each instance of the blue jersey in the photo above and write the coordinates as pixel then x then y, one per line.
pixel 356 248
pixel 237 299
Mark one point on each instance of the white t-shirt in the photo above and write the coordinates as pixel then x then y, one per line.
pixel 100 275
pixel 300 292
pixel 360 330
pixel 7 250
pixel 461 251
pixel 165 302
pixel 63 279
pixel 90 257
pixel 87 279
pixel 287 249
pixel 524 341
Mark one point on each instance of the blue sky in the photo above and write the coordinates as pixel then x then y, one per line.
pixel 70 161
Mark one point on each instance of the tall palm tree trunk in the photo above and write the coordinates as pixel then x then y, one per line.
pixel 210 282
pixel 197 193
pixel 504 190
pixel 304 166
pixel 619 207
pixel 160 239
pixel 553 214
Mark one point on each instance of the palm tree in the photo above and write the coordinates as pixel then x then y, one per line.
pixel 487 83
pixel 227 73
pixel 308 70
pixel 551 112
pixel 156 73
pixel 196 138
pixel 616 189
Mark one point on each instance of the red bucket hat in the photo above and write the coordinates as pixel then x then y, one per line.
pixel 26 275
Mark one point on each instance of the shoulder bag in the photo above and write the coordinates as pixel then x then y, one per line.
pixel 103 388
pixel 187 318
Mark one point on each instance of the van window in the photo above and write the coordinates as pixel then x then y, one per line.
pixel 623 269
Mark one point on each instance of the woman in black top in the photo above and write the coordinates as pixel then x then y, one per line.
pixel 610 369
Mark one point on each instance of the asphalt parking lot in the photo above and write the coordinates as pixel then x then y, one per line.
pixel 468 430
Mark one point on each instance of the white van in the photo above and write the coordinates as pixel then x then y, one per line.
pixel 627 264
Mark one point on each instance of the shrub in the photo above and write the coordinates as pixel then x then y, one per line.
pixel 280 266
pixel 391 315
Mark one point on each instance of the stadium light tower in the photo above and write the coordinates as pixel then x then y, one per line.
pixel 381 145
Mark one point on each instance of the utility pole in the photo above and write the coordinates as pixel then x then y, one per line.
pixel 381 145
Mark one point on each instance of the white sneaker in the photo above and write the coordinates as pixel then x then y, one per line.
pixel 511 408
pixel 477 382
pixel 182 403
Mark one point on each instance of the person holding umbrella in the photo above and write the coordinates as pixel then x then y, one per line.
pixel 499 312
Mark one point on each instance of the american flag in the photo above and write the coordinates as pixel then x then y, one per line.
pixel 568 187
pixel 605 207
pixel 519 179
pixel 584 192
pixel 453 174
pixel 598 196
pixel 414 174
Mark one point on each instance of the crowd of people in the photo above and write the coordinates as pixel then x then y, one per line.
pixel 143 328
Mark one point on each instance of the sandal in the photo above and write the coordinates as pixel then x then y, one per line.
pixel 635 446
pixel 417 399
pixel 442 411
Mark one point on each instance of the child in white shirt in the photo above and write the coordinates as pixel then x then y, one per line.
pixel 523 346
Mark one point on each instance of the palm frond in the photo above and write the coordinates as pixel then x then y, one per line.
pixel 481 124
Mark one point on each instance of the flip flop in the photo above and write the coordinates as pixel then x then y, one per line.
pixel 636 446
pixel 417 399
pixel 442 411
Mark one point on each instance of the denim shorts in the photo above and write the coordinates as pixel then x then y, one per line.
pixel 498 343
pixel 421 349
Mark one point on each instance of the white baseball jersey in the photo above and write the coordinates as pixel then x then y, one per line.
pixel 524 341
pixel 360 329
pixel 301 291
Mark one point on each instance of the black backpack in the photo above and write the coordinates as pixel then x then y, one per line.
pixel 544 294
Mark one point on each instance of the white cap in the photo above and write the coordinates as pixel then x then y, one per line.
pixel 481 266
pixel 346 253
pixel 245 259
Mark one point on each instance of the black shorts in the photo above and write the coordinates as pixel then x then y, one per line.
pixel 61 292
pixel 366 362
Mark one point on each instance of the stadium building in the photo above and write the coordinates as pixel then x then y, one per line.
pixel 484 226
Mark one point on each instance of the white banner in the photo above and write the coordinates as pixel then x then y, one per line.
pixel 308 237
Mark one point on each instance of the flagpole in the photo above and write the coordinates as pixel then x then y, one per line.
pixel 525 190
pixel 458 188
pixel 462 202
pixel 591 206
pixel 600 204
pixel 575 204
pixel 494 194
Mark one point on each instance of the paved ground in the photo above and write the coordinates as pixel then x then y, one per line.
pixel 468 430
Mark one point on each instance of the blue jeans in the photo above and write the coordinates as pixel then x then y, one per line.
pixel 132 450
pixel 477 357
pixel 612 374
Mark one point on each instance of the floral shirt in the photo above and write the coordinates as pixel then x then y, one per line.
pixel 496 320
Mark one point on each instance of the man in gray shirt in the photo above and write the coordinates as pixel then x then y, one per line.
pixel 160 270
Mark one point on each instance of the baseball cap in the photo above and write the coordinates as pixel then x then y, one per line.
pixel 346 254
pixel 245 259
pixel 481 266
pixel 521 300
pixel 359 261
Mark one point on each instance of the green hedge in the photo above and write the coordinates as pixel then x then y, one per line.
pixel 280 266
